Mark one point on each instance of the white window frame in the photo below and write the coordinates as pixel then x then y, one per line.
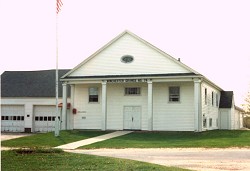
pixel 132 91
pixel 97 90
pixel 173 96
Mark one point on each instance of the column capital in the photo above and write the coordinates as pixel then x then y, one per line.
pixel 149 81
pixel 104 81
pixel 197 81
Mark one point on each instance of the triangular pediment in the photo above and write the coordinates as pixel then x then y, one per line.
pixel 128 54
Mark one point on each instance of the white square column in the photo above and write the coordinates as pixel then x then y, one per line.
pixel 104 105
pixel 150 105
pixel 197 106
pixel 64 107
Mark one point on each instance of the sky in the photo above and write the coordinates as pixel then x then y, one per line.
pixel 210 36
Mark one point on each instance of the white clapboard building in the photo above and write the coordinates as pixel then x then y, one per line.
pixel 128 84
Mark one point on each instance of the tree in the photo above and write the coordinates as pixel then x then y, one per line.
pixel 247 105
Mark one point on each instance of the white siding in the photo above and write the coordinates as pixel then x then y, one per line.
pixel 88 114
pixel 238 120
pixel 224 119
pixel 146 60
pixel 210 110
pixel 173 116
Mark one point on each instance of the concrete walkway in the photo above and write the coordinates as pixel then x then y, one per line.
pixel 88 141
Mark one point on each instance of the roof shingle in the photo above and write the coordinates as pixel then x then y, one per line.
pixel 226 99
pixel 30 83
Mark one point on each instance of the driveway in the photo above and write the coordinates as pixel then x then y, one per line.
pixel 8 136
pixel 190 158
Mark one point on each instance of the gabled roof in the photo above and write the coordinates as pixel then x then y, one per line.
pixel 226 99
pixel 30 83
pixel 139 39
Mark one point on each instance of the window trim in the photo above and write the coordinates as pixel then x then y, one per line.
pixel 179 97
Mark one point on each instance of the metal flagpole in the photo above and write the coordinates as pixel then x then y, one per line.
pixel 57 109
pixel 57 120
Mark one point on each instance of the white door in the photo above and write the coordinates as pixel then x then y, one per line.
pixel 44 118
pixel 12 118
pixel 132 117
pixel 224 120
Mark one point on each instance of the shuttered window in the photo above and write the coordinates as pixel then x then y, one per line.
pixel 174 94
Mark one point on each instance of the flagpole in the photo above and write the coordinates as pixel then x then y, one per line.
pixel 57 120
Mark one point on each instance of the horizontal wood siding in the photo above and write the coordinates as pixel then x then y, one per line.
pixel 116 100
pixel 88 114
pixel 209 110
pixel 146 60
pixel 173 116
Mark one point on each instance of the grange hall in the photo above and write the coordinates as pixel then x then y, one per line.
pixel 129 84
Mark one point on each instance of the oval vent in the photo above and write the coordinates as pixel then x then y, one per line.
pixel 127 59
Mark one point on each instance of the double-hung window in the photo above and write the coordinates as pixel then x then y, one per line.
pixel 174 94
pixel 217 100
pixel 212 98
pixel 205 96
pixel 93 94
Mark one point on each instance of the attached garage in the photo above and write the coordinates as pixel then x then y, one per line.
pixel 44 118
pixel 28 100
pixel 12 118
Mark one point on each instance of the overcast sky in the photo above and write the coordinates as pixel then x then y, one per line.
pixel 212 36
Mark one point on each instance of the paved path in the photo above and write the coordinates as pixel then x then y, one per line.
pixel 191 158
pixel 88 141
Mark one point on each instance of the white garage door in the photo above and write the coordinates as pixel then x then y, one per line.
pixel 12 118
pixel 44 118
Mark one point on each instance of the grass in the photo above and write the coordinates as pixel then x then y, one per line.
pixel 49 140
pixel 209 139
pixel 59 160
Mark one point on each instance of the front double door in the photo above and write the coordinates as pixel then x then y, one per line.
pixel 132 118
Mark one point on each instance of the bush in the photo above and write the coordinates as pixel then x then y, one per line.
pixel 247 122
pixel 37 150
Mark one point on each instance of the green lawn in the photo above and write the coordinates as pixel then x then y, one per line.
pixel 49 140
pixel 11 160
pixel 209 139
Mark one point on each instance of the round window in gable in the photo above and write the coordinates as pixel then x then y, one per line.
pixel 127 59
